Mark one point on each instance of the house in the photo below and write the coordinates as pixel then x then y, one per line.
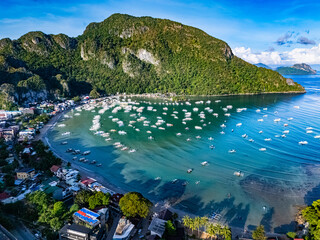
pixel 25 173
pixel 4 196
pixel 57 170
pixel 124 229
pixel 9 133
pixel 157 227
pixel 86 182
pixel 88 225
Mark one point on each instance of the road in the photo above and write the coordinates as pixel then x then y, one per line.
pixel 21 232
pixel 113 227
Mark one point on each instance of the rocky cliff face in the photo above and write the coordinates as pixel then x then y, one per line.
pixel 134 55
pixel 297 69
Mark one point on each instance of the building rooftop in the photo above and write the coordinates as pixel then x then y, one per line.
pixel 55 168
pixel 87 216
pixel 26 170
pixel 157 226
pixel 79 228
pixel 4 196
pixel 124 229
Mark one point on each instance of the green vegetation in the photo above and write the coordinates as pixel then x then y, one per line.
pixel 259 233
pixel 133 204
pixel 296 69
pixel 44 158
pixel 133 55
pixel 51 214
pixel 312 216
pixel 170 228
pixel 94 93
pixel 213 230
pixel 291 235
pixel 91 200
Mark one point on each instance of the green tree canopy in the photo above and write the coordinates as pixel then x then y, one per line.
pixel 259 233
pixel 312 216
pixel 94 93
pixel 133 204
pixel 170 228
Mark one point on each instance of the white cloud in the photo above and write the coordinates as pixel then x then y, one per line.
pixel 296 55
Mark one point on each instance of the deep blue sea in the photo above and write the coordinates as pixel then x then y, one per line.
pixel 277 174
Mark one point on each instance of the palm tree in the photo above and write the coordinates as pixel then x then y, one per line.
pixel 204 222
pixel 211 230
pixel 186 221
pixel 197 223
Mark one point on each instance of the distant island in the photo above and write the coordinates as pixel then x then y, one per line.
pixel 263 65
pixel 297 69
pixel 126 54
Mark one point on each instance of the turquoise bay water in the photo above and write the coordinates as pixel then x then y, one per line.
pixel 274 181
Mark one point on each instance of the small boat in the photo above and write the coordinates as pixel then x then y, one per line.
pixel 99 165
pixel 64 143
pixel 260 132
pixel 267 139
pixel 157 178
pixel 198 137
pixel 210 138
pixel 238 174
pixel 150 138
pixel 185 183
pixel 74 158
pixel 232 151
pixel 124 148
pixel 205 163
pixel 317 136
pixel 309 131
pixel 303 142
pixel 86 153
pixel 69 150
pixel 244 135
pixel 178 134
pixel 223 125
pixel 174 181
pixel 93 162
pixel 132 150
pixel 197 182
pixel 189 170
pixel 65 133
pixel 277 120
pixel 251 140
pixel 222 132
pixel 239 124
pixel 290 119
pixel 188 139
pixel 211 147
pixel 81 159
pixel 198 127
pixel 262 149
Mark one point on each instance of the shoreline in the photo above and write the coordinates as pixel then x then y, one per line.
pixel 89 173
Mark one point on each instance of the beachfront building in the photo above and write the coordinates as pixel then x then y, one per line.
pixel 124 231
pixel 25 173
pixel 88 225
pixel 9 133
pixel 157 227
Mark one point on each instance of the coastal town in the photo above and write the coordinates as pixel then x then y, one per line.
pixel 72 204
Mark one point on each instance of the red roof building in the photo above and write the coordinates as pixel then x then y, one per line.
pixel 55 168
pixel 4 196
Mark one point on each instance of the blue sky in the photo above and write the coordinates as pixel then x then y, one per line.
pixel 274 32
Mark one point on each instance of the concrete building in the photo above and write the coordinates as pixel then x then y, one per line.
pixel 25 173
pixel 88 225
pixel 124 229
